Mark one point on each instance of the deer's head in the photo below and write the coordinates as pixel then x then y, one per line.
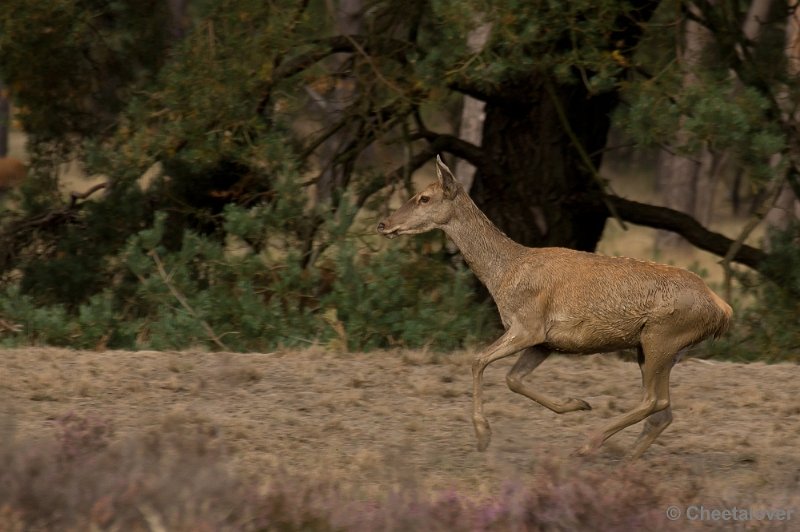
pixel 430 209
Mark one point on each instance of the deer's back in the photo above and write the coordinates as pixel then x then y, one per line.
pixel 590 303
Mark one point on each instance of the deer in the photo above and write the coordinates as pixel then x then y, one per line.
pixel 553 299
pixel 12 174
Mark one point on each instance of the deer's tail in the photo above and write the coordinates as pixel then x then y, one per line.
pixel 724 316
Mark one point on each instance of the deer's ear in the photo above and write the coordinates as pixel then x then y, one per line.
pixel 446 179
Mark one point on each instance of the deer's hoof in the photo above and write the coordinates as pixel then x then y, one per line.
pixel 589 448
pixel 483 433
pixel 483 443
pixel 586 450
pixel 630 458
pixel 572 404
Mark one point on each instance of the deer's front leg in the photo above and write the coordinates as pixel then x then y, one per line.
pixel 508 344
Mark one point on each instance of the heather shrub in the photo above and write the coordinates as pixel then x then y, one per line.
pixel 182 479
pixel 78 481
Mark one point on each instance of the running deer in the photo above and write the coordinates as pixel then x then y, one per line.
pixel 556 299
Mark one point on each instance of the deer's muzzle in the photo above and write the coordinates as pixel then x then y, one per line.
pixel 382 229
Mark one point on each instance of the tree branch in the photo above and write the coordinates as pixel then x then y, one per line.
pixel 386 46
pixel 480 92
pixel 21 233
pixel 681 223
pixel 458 147
pixel 75 196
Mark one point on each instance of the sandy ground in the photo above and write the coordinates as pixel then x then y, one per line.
pixel 384 418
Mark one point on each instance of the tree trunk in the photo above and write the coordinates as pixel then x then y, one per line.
pixel 333 104
pixel 472 113
pixel 684 181
pixel 177 24
pixel 676 183
pixel 536 167
pixel 471 130
pixel 785 210
pixel 787 204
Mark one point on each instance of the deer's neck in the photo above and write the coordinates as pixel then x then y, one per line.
pixel 486 249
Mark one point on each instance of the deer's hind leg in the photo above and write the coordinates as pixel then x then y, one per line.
pixel 656 368
pixel 530 359
pixel 656 423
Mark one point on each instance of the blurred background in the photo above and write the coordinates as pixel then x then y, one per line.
pixel 185 173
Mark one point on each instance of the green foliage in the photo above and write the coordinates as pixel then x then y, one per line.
pixel 79 259
pixel 768 328
pixel 715 114
pixel 398 298
pixel 226 245
pixel 570 40
pixel 72 63
pixel 205 294
pixel 221 248
pixel 33 324
pixel 693 96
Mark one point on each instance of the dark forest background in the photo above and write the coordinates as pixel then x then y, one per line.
pixel 239 153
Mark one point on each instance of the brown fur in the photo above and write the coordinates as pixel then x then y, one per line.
pixel 12 173
pixel 556 299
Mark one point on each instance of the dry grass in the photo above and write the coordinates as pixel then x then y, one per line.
pixel 371 423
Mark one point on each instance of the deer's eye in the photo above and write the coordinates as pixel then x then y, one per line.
pixel 424 199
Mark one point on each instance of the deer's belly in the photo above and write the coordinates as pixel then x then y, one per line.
pixel 578 336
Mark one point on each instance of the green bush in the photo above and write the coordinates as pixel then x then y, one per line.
pixel 204 294
pixel 767 323
pixel 405 299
